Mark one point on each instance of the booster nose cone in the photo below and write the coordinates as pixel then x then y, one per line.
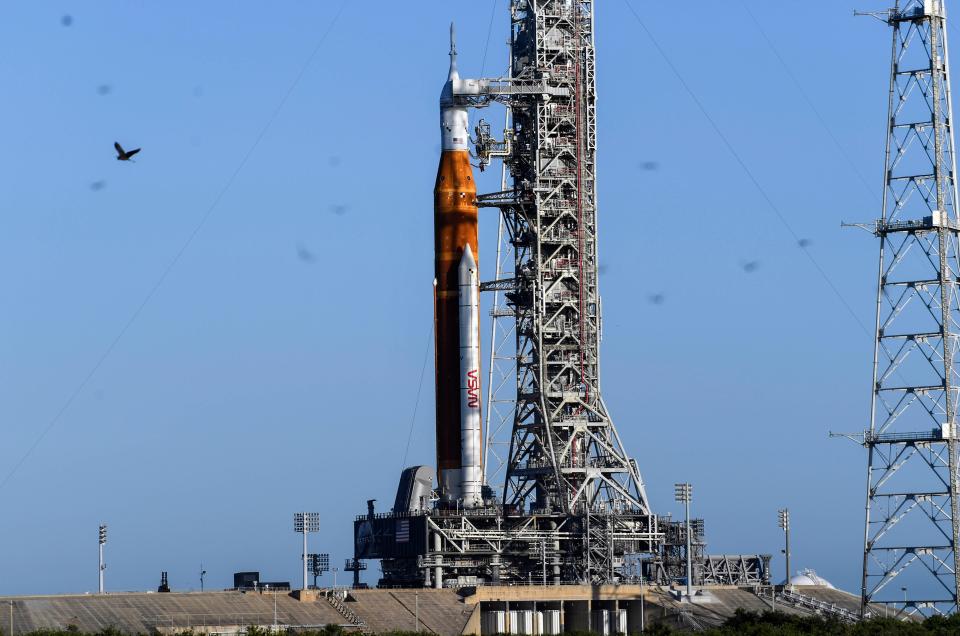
pixel 468 265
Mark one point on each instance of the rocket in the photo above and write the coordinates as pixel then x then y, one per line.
pixel 456 306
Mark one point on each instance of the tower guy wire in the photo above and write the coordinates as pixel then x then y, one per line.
pixel 177 255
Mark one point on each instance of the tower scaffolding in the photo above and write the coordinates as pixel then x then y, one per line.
pixel 911 521
pixel 573 507
pixel 565 451
pixel 566 459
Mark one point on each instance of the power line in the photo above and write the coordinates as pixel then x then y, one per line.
pixel 178 255
pixel 813 107
pixel 486 48
pixel 746 169
pixel 416 403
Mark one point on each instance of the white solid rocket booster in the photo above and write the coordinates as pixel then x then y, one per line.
pixel 471 472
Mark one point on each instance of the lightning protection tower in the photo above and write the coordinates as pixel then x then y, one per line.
pixel 911 529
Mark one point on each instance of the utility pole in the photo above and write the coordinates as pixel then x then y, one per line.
pixel 784 522
pixel 305 523
pixel 103 566
pixel 684 494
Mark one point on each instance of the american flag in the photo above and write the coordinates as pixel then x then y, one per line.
pixel 403 530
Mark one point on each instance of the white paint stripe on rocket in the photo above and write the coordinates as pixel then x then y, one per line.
pixel 470 434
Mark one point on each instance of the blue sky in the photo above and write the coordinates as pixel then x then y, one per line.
pixel 275 366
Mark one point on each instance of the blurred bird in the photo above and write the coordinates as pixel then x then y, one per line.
pixel 750 266
pixel 305 255
pixel 124 155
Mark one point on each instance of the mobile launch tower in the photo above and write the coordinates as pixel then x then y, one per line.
pixel 572 508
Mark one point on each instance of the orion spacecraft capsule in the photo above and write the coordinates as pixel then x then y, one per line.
pixel 456 306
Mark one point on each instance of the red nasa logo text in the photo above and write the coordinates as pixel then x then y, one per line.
pixel 473 389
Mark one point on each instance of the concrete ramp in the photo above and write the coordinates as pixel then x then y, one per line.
pixel 440 611
pixel 145 612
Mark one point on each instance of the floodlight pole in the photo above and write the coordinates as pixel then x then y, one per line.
pixel 102 539
pixel 784 515
pixel 689 543
pixel 684 493
pixel 306 522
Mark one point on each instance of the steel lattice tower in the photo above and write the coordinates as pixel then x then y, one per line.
pixel 911 526
pixel 565 454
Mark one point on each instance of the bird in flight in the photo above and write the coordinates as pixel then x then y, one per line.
pixel 124 155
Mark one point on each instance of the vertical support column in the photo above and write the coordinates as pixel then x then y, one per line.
pixel 304 560
pixel 438 570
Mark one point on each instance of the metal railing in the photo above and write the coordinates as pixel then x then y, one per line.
pixel 346 612
pixel 794 598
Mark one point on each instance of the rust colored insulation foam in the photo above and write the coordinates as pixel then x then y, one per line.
pixel 455 225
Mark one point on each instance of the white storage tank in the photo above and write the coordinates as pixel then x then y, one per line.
pixel 524 626
pixel 514 617
pixel 551 623
pixel 621 626
pixel 494 622
pixel 601 622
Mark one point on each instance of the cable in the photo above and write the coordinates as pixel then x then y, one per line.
pixel 493 11
pixel 416 404
pixel 179 254
pixel 743 165
pixel 806 98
